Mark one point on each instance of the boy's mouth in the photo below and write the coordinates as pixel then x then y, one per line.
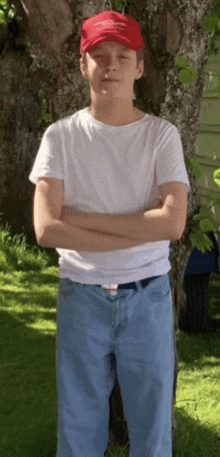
pixel 110 80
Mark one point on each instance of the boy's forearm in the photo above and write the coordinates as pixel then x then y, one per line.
pixel 59 234
pixel 153 225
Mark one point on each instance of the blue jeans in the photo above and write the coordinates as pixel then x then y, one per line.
pixel 136 326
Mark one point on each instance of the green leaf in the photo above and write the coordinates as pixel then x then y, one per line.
pixel 216 176
pixel 7 12
pixel 182 61
pixel 204 213
pixel 3 15
pixel 216 200
pixel 207 226
pixel 188 75
pixel 12 12
pixel 210 23
pixel 194 165
pixel 188 161
pixel 201 241
pixel 118 3
pixel 197 170
pixel 217 84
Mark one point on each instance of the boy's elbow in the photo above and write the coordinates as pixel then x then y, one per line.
pixel 41 236
pixel 40 240
pixel 176 236
pixel 50 234
pixel 177 231
pixel 42 243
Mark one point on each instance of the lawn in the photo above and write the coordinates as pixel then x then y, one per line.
pixel 28 403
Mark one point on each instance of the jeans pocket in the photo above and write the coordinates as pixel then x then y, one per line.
pixel 160 288
pixel 66 286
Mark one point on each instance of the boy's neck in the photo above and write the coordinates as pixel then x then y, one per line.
pixel 115 113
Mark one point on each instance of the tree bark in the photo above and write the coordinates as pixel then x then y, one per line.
pixel 49 62
pixel 50 23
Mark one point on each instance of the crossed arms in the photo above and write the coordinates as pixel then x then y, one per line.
pixel 55 227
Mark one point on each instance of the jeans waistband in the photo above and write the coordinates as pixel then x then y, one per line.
pixel 128 285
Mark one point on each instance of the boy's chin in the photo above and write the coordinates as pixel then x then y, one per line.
pixel 111 93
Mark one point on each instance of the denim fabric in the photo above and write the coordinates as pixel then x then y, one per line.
pixel 136 326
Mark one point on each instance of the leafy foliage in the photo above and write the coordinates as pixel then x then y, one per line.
pixel 194 165
pixel 7 12
pixel 204 214
pixel 201 241
pixel 188 73
pixel 211 24
pixel 205 222
pixel 217 85
pixel 118 3
pixel 216 176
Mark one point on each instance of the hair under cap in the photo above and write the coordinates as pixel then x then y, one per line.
pixel 111 26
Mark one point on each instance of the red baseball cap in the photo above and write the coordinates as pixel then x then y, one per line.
pixel 111 26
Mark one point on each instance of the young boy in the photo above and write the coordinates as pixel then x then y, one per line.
pixel 96 173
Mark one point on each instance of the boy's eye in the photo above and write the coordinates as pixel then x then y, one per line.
pixel 97 56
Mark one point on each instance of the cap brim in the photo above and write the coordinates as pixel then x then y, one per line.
pixel 110 37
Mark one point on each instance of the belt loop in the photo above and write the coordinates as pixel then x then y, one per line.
pixel 139 286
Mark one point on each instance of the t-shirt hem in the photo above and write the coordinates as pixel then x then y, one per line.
pixel 117 280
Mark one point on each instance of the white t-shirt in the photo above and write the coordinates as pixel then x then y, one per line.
pixel 114 170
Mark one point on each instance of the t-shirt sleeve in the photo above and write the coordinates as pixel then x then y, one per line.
pixel 170 164
pixel 48 162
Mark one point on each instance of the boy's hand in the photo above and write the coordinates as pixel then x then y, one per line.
pixel 157 205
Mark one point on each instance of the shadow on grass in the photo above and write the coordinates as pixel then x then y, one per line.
pixel 194 439
pixel 20 289
pixel 28 386
pixel 28 405
pixel 195 347
pixel 214 297
pixel 192 348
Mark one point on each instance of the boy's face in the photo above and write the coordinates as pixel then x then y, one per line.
pixel 111 70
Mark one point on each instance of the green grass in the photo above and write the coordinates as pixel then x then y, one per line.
pixel 28 402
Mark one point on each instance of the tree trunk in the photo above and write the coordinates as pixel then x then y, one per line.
pixel 49 62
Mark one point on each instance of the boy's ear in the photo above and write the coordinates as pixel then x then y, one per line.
pixel 140 69
pixel 83 67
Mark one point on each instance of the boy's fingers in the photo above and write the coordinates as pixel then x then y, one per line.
pixel 157 204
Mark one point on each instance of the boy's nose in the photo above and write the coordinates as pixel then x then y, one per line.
pixel 110 62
